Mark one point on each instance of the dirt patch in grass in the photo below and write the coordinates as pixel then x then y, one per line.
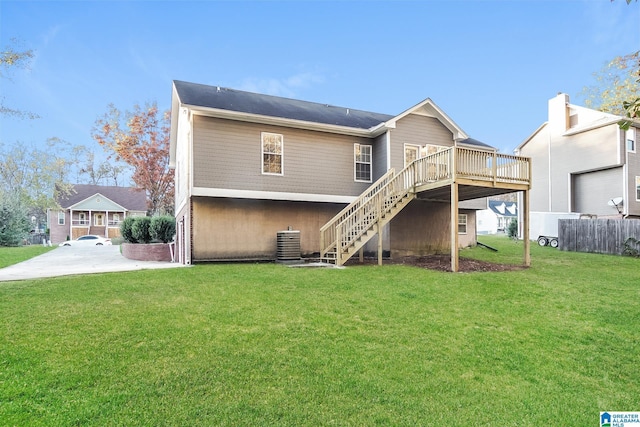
pixel 443 263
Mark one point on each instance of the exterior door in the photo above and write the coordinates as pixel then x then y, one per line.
pixel 98 219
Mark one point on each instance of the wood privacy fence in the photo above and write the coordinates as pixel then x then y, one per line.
pixel 604 236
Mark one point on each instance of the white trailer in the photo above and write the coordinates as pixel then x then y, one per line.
pixel 543 226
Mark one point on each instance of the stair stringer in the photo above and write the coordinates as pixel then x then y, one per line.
pixel 373 229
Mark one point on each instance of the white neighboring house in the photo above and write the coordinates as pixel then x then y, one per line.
pixel 582 162
pixel 497 217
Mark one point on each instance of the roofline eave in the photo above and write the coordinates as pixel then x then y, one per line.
pixel 280 121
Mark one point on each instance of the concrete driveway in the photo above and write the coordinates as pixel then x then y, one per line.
pixel 69 260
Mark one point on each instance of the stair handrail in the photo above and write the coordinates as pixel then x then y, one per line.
pixel 327 232
pixel 375 207
pixel 399 185
pixel 433 167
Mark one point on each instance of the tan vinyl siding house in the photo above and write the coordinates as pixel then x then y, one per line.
pixel 249 165
pixel 580 162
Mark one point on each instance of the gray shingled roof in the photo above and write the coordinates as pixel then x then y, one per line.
pixel 199 95
pixel 274 106
pixel 133 199
pixel 471 141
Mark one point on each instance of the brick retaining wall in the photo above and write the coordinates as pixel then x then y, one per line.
pixel 147 252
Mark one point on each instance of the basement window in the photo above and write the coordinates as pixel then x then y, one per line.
pixel 272 153
pixel 462 223
pixel 362 160
pixel 638 188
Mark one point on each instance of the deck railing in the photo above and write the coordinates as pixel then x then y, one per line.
pixel 490 166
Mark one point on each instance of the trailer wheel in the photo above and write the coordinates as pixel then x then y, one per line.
pixel 554 243
pixel 542 241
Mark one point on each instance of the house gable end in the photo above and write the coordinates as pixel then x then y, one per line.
pixel 97 202
pixel 430 109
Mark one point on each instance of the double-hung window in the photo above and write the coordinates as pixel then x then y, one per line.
pixel 631 140
pixel 362 162
pixel 60 218
pixel 638 188
pixel 272 153
pixel 462 223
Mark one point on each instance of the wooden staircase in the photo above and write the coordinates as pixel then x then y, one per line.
pixel 351 229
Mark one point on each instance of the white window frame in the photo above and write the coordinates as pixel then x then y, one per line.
pixel 357 161
pixel 418 149
pixel 630 137
pixel 82 218
pixel 637 188
pixel 432 149
pixel 462 224
pixel 274 153
pixel 61 217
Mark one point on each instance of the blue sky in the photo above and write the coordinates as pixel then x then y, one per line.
pixel 490 65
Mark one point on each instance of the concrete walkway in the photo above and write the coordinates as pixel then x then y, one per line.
pixel 69 260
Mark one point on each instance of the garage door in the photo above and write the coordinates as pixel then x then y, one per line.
pixel 593 190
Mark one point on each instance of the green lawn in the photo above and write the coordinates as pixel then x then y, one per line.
pixel 263 344
pixel 14 255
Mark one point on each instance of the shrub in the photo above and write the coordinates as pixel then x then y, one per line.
pixel 126 229
pixel 512 229
pixel 140 229
pixel 631 247
pixel 163 228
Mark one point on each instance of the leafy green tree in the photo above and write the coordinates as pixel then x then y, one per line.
pixel 37 175
pixel 14 221
pixel 617 85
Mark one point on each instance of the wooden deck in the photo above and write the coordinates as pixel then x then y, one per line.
pixel 450 176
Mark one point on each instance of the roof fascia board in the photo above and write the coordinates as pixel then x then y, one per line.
pixel 530 137
pixel 279 121
pixel 175 110
pixel 592 126
pixel 434 111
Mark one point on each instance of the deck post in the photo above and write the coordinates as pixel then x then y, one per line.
pixel 379 243
pixel 338 247
pixel 525 229
pixel 379 226
pixel 454 227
